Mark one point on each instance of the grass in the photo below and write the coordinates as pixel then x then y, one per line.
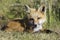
pixel 4 8
pixel 28 36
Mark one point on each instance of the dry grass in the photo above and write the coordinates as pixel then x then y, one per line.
pixel 28 36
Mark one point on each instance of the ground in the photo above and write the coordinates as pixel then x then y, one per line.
pixel 28 36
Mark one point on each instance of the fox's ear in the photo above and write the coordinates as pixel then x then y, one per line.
pixel 41 8
pixel 27 8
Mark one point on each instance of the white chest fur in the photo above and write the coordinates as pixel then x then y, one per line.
pixel 39 25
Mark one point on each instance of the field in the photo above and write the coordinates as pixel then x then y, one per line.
pixel 28 36
pixel 5 11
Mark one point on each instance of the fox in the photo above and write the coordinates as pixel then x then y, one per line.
pixel 33 21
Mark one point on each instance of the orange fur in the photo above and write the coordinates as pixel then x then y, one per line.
pixel 14 26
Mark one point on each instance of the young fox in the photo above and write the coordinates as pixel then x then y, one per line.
pixel 33 21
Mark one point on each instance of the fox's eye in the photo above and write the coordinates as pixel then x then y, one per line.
pixel 39 18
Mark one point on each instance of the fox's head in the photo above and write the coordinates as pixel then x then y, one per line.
pixel 36 16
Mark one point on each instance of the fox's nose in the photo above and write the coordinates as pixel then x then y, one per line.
pixel 35 25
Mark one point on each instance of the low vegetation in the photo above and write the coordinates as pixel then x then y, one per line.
pixel 9 10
